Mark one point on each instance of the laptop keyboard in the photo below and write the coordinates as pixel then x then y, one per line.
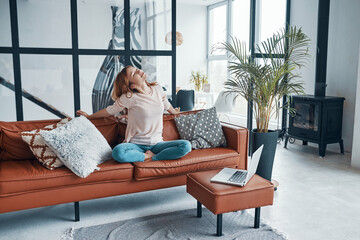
pixel 238 177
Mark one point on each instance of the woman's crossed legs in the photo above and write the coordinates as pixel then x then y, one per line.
pixel 131 152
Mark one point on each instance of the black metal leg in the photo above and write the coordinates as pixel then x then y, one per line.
pixel 257 218
pixel 341 142
pixel 305 143
pixel 219 225
pixel 199 209
pixel 322 149
pixel 286 140
pixel 77 211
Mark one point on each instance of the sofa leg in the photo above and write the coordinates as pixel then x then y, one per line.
pixel 199 209
pixel 219 225
pixel 77 211
pixel 257 218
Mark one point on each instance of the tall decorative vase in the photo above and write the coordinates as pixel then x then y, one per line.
pixel 266 162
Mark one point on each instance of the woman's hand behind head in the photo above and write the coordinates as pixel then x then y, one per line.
pixel 136 88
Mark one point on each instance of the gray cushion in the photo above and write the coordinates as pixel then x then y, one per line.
pixel 79 145
pixel 202 129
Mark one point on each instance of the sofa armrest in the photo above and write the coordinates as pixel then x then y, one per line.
pixel 238 139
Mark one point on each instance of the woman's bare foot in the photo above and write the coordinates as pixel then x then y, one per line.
pixel 148 155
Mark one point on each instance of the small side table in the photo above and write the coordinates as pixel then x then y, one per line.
pixel 222 198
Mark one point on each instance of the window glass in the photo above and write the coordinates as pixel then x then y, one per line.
pixel 217 75
pixel 142 14
pixel 217 28
pixel 97 74
pixel 7 94
pixel 5 26
pixel 240 22
pixel 100 22
pixel 271 18
pixel 44 23
pixel 241 106
pixel 157 68
pixel 47 82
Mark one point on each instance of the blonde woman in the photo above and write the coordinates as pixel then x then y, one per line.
pixel 145 103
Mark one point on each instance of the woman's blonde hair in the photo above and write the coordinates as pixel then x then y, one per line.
pixel 122 84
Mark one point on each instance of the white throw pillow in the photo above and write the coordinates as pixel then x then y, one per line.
pixel 79 145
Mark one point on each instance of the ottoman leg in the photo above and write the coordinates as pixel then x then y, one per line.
pixel 219 225
pixel 199 209
pixel 257 218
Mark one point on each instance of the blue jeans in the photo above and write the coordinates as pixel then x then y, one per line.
pixel 131 152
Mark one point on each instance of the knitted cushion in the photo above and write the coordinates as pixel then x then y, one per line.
pixel 41 151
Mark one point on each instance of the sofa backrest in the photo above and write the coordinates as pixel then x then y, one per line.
pixel 170 131
pixel 12 147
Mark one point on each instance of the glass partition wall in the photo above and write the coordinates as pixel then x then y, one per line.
pixel 60 56
pixel 52 66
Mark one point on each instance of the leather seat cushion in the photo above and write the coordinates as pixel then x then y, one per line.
pixel 202 159
pixel 30 175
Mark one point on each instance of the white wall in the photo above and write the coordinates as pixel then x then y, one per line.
pixel 191 55
pixel 343 54
pixel 355 155
pixel 304 15
pixel 343 57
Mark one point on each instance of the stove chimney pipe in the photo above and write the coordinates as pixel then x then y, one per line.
pixel 322 45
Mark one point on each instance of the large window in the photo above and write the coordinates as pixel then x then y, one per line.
pixel 233 18
pixel 217 32
pixel 61 56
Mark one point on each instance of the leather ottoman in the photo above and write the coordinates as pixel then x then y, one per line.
pixel 222 198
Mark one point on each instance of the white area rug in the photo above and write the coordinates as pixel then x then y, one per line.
pixel 178 225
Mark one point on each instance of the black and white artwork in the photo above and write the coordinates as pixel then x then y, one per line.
pixel 101 95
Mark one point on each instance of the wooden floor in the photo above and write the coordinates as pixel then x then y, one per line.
pixel 318 198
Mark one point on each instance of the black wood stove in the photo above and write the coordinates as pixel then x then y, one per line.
pixel 317 120
pixel 318 117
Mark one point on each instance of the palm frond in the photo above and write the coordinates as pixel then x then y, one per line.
pixel 264 83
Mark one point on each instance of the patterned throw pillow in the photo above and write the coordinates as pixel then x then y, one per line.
pixel 79 145
pixel 202 129
pixel 41 151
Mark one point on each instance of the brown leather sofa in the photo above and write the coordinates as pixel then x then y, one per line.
pixel 25 184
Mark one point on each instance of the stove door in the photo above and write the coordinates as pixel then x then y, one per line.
pixel 306 121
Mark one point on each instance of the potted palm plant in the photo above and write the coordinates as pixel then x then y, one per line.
pixel 265 81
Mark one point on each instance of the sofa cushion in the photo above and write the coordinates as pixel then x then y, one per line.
pixel 41 151
pixel 18 177
pixel 11 141
pixel 202 129
pixel 79 145
pixel 201 159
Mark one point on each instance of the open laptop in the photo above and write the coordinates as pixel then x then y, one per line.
pixel 239 177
